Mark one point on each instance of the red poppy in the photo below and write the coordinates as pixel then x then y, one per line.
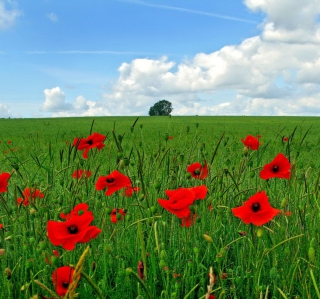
pixel 4 177
pixel 81 173
pixel 256 210
pixel 113 182
pixel 1 226
pixel 128 191
pixel 212 296
pixel 251 142
pixel 29 194
pixel 9 142
pixel 117 214
pixel 170 137
pixel 76 229
pixel 278 168
pixel 62 277
pixel 180 200
pixel 140 270
pixel 188 221
pixel 93 141
pixel 285 139
pixel 198 171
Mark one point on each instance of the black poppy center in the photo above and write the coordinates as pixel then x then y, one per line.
pixel 110 180
pixel 255 207
pixel 275 168
pixel 197 171
pixel 90 142
pixel 65 284
pixel 73 229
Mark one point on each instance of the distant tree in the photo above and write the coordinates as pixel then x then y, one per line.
pixel 161 108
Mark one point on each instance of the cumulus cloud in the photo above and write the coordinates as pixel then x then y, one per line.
pixel 7 17
pixel 274 73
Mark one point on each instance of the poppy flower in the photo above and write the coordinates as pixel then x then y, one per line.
pixel 78 174
pixel 198 171
pixel 4 177
pixel 113 182
pixel 117 214
pixel 9 142
pixel 128 191
pixel 256 210
pixel 170 137
pixel 76 229
pixel 93 141
pixel 251 142
pixel 285 139
pixel 1 226
pixel 62 277
pixel 180 200
pixel 140 268
pixel 29 194
pixel 278 168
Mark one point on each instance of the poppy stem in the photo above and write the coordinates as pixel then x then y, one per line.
pixel 136 276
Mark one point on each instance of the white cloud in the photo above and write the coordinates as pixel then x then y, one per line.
pixel 7 17
pixel 55 100
pixel 5 111
pixel 275 73
pixel 52 17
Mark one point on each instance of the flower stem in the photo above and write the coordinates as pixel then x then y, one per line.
pixel 92 284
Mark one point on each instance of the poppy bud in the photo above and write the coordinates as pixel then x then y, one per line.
pixel 283 203
pixel 166 136
pixel 163 255
pixel 208 238
pixel 29 264
pixel 157 185
pixel 188 175
pixel 245 151
pixel 8 273
pixel 162 264
pixel 93 266
pixel 2 252
pixel 259 232
pixel 311 251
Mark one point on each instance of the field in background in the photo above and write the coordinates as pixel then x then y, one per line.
pixel 277 260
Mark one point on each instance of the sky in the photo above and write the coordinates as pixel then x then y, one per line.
pixel 119 57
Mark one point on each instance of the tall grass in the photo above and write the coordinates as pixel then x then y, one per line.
pixel 277 260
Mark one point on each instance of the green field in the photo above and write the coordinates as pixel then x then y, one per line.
pixel 278 259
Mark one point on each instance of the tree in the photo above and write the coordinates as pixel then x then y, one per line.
pixel 161 108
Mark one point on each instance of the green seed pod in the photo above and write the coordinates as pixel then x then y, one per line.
pixel 29 264
pixel 259 232
pixel 163 255
pixel 162 264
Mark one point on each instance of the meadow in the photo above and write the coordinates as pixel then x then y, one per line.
pixel 138 222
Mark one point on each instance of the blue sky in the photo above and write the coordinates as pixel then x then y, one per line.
pixel 119 57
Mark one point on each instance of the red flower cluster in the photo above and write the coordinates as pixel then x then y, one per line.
pixel 181 199
pixel 4 177
pixel 113 182
pixel 251 142
pixel 76 228
pixel 28 195
pixel 256 210
pixel 78 174
pixel 198 171
pixel 62 278
pixel 279 167
pixel 93 141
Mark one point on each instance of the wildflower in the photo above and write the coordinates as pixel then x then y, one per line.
pixel 285 139
pixel 278 168
pixel 140 270
pixel 62 277
pixel 4 177
pixel 9 142
pixel 1 226
pixel 113 182
pixel 180 200
pixel 128 191
pixel 198 171
pixel 117 214
pixel 170 137
pixel 251 142
pixel 81 173
pixel 256 210
pixel 29 194
pixel 93 141
pixel 76 229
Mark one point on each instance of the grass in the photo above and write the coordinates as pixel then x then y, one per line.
pixel 277 260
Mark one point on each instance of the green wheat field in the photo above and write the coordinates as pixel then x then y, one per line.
pixel 142 250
